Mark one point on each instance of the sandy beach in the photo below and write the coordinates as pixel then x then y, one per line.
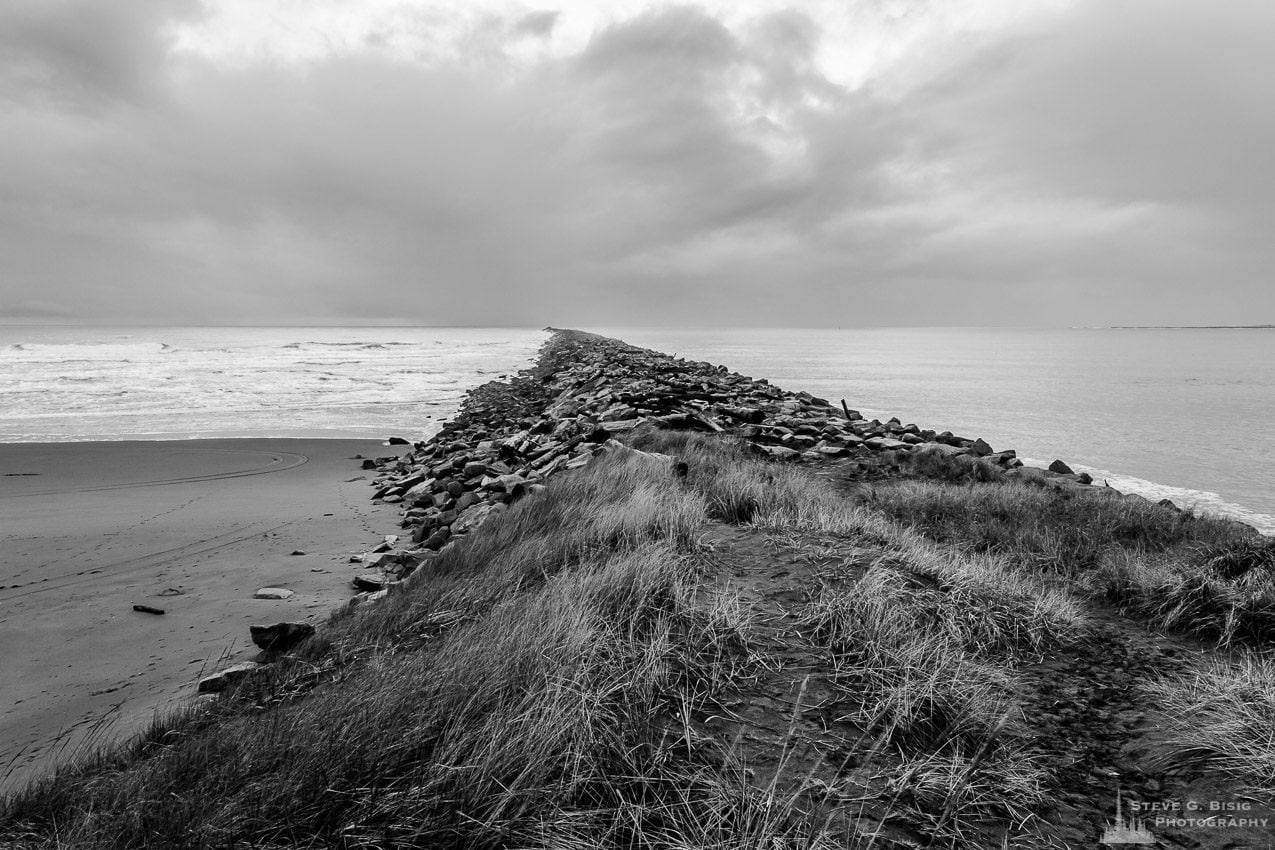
pixel 193 527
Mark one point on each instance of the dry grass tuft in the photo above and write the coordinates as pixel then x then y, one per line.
pixel 934 463
pixel 1223 716
pixel 1208 577
pixel 1186 592
pixel 1060 534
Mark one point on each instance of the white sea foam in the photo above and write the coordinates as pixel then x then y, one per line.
pixel 131 384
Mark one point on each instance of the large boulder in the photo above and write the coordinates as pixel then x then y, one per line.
pixel 280 637
pixel 1007 458
pixel 474 517
pixel 370 581
pixel 886 444
pixel 779 452
pixel 942 449
pixel 419 491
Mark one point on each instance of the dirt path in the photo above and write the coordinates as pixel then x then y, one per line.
pixel 787 720
pixel 1102 733
pixel 1094 727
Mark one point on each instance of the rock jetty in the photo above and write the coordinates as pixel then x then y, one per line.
pixel 585 390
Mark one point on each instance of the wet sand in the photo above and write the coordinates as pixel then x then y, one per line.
pixel 192 527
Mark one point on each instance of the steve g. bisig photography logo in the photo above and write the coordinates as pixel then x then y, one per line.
pixel 1136 822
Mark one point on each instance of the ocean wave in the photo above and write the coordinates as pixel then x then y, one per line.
pixel 190 381
pixel 74 352
pixel 361 346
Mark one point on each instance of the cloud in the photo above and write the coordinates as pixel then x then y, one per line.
pixel 1123 149
pixel 80 52
pixel 1099 163
pixel 537 24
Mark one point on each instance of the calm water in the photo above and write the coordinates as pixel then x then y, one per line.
pixel 1185 414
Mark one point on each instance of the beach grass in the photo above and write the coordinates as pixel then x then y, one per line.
pixel 1222 715
pixel 1195 574
pixel 560 677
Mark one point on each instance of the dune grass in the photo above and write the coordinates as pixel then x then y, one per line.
pixel 1199 575
pixel 1222 715
pixel 1204 593
pixel 934 673
pixel 984 598
pixel 921 645
pixel 1062 534
pixel 936 464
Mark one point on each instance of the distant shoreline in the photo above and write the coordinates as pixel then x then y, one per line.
pixel 1189 327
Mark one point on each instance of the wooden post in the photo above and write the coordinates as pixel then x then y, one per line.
pixel 845 409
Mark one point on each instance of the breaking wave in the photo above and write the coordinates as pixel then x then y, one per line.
pixel 85 351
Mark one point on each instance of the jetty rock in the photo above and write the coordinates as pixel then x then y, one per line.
pixel 510 436
pixel 280 637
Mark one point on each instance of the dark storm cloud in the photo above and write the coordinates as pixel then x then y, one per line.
pixel 80 52
pixel 1110 167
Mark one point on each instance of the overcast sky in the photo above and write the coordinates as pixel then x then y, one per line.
pixel 847 163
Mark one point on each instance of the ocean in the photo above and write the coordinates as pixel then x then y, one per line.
pixel 98 383
pixel 1184 414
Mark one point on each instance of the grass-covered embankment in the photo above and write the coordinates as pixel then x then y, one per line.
pixel 682 642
